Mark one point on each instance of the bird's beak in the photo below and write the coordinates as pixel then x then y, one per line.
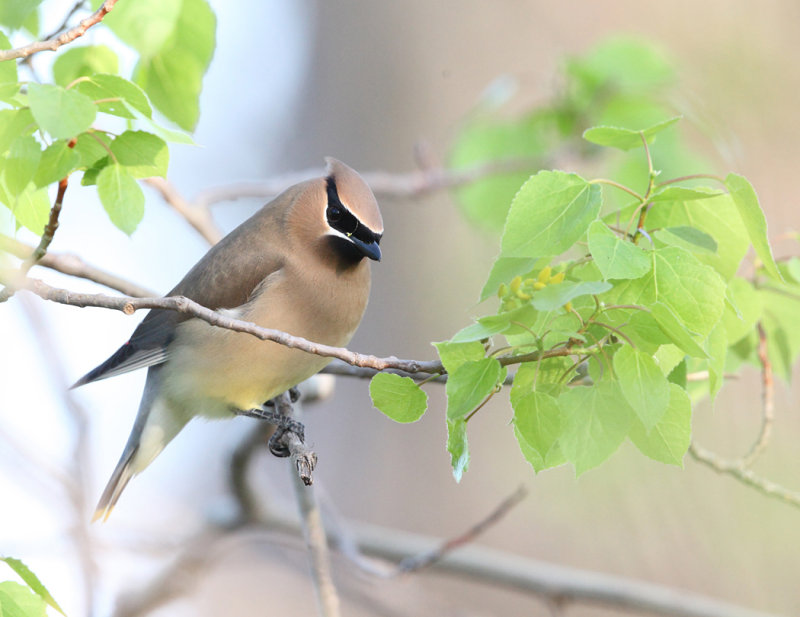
pixel 368 249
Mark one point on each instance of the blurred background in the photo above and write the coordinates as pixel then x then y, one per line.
pixel 368 83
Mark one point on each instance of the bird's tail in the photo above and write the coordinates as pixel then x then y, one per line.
pixel 123 472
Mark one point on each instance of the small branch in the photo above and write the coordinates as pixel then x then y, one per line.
pixel 198 216
pixel 75 266
pixel 383 184
pixel 316 539
pixel 67 37
pixel 418 562
pixel 737 469
pixel 47 235
pixel 767 400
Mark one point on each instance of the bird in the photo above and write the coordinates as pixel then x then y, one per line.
pixel 300 264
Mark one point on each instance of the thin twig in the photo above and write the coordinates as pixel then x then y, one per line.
pixel 197 215
pixel 67 37
pixel 47 235
pixel 737 469
pixel 767 400
pixel 418 562
pixel 316 541
pixel 383 184
pixel 73 265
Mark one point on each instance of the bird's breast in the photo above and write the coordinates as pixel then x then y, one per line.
pixel 213 368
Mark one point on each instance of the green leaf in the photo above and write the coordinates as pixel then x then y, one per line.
pixel 669 440
pixel 549 214
pixel 746 200
pixel 14 13
pixel 457 446
pixel 623 63
pixel 479 331
pixel 493 138
pixel 195 31
pixel 454 354
pixel 20 164
pixel 623 138
pixel 537 418
pixel 470 384
pixel 90 147
pixel 31 208
pixel 743 309
pixel 689 238
pixel 127 94
pixel 682 193
pixel 694 292
pixel 58 161
pixel 671 325
pixel 173 81
pixel 616 258
pixel 554 457
pixel 716 216
pixel 178 137
pixel 554 296
pixel 8 70
pixel 595 422
pixel 13 124
pixel 643 384
pixel 83 61
pixel 145 25
pixel 32 581
pixel 142 154
pixel 62 113
pixel 19 601
pixel 122 197
pixel 717 349
pixel 398 397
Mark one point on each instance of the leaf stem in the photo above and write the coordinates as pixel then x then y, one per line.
pixel 621 187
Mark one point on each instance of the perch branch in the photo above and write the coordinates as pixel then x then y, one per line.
pixel 67 37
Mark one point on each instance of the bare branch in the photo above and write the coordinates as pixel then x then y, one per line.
pixel 198 216
pixel 47 235
pixel 767 400
pixel 736 468
pixel 424 560
pixel 316 541
pixel 383 184
pixel 75 266
pixel 67 37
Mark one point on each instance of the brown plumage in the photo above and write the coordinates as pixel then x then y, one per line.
pixel 296 265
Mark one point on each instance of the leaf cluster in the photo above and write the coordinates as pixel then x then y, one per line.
pixel 88 118
pixel 611 294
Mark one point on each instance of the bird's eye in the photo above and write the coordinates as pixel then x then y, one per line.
pixel 334 213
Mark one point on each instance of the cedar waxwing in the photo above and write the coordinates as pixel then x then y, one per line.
pixel 298 266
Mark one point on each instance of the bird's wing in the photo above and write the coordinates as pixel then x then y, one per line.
pixel 225 277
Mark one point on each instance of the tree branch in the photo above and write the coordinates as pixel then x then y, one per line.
pixel 197 215
pixel 75 266
pixel 129 305
pixel 767 399
pixel 317 542
pixel 47 235
pixel 67 37
pixel 737 468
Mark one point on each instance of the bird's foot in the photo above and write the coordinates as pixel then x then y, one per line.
pixel 284 424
